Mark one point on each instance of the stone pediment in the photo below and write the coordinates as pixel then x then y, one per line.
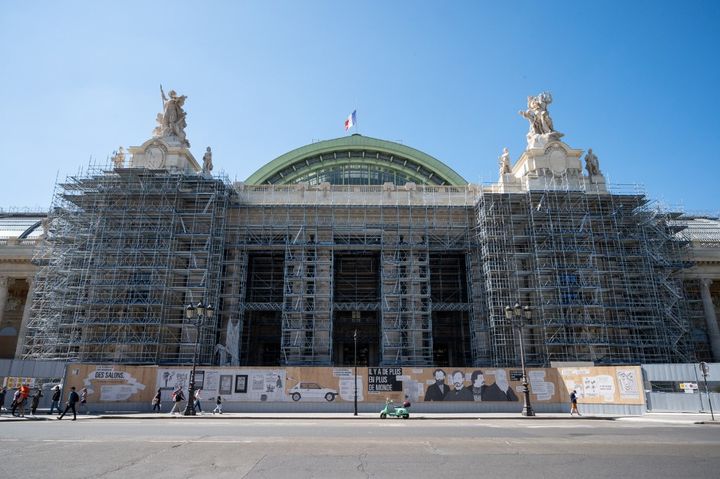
pixel 157 154
pixel 555 159
pixel 554 166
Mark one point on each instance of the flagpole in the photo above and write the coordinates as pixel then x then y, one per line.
pixel 351 122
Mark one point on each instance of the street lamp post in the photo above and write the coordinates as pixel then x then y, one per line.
pixel 518 316
pixel 355 362
pixel 196 315
pixel 705 368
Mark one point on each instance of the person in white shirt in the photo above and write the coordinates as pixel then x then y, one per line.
pixel 197 401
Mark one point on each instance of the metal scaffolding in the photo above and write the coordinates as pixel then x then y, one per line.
pixel 127 249
pixel 598 269
pixel 352 259
pixel 421 273
pixel 307 307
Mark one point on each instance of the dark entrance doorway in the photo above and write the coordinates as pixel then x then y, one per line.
pixel 451 339
pixel 356 298
pixel 366 323
pixel 450 320
pixel 261 338
pixel 262 328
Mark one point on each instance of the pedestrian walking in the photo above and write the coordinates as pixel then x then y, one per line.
pixel 25 391
pixel 3 392
pixel 73 399
pixel 35 401
pixel 218 406
pixel 15 402
pixel 177 398
pixel 197 401
pixel 573 403
pixel 83 401
pixel 156 401
pixel 55 404
pixel 24 394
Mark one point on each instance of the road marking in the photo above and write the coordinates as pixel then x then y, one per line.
pixel 213 441
pixel 135 439
pixel 68 440
pixel 559 426
pixel 216 422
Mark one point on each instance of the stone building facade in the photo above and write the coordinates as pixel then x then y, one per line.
pixel 359 242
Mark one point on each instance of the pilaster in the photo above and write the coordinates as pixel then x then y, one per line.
pixel 3 296
pixel 25 317
pixel 711 318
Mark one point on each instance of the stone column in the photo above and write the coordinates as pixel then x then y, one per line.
pixel 25 317
pixel 3 296
pixel 711 319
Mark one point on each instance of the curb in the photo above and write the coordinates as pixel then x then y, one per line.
pixel 366 418
pixel 26 418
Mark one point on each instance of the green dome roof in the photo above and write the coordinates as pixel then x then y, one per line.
pixel 356 160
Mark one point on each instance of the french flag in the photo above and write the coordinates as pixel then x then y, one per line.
pixel 351 120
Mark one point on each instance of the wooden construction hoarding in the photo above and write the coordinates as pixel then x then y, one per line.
pixel 134 384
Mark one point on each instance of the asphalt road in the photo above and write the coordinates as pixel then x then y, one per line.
pixel 346 449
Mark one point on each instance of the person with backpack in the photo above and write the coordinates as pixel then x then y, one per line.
pixel 55 404
pixel 24 394
pixel 73 399
pixel 218 405
pixel 177 398
pixel 573 403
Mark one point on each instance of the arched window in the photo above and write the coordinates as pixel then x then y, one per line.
pixel 8 331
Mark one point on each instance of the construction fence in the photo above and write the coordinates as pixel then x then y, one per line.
pixel 333 389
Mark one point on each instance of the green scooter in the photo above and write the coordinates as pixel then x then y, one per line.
pixel 392 411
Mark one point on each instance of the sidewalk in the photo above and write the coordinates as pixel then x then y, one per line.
pixel 673 418
pixel 656 418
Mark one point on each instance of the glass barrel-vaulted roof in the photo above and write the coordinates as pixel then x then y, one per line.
pixel 356 160
pixel 21 225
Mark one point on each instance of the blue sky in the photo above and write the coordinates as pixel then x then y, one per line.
pixel 635 81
